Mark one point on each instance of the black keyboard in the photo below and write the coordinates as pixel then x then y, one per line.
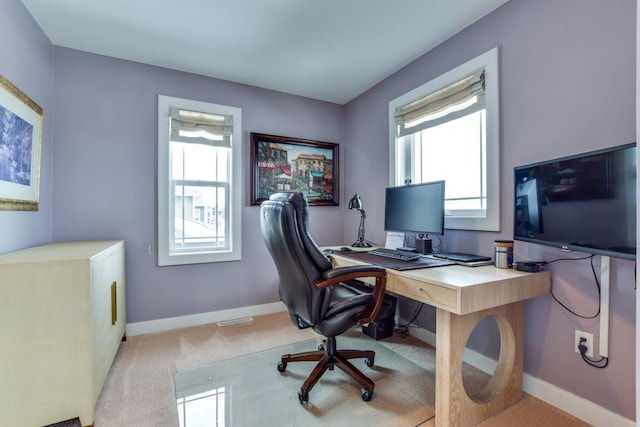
pixel 395 254
pixel 462 257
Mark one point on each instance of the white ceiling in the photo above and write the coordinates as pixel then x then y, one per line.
pixel 332 50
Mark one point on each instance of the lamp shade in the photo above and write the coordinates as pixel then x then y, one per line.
pixel 355 202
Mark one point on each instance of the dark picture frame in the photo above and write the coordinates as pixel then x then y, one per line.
pixel 21 122
pixel 282 164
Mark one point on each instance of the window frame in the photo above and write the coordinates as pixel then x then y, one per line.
pixel 488 61
pixel 164 186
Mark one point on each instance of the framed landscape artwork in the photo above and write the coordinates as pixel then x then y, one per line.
pixel 20 146
pixel 281 164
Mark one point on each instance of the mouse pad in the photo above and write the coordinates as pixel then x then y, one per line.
pixel 395 264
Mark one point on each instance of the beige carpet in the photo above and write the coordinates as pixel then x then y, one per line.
pixel 140 392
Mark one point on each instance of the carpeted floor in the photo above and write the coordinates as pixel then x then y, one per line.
pixel 140 392
pixel 248 391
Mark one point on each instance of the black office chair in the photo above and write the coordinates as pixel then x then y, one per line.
pixel 316 294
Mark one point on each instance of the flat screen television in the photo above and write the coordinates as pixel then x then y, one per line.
pixel 417 208
pixel 585 202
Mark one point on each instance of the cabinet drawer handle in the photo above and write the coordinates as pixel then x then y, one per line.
pixel 114 304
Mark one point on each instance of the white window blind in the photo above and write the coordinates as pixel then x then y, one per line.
pixel 456 100
pixel 201 128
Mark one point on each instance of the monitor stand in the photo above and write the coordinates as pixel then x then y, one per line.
pixel 423 246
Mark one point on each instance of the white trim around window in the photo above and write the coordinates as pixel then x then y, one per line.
pixel 231 250
pixel 488 61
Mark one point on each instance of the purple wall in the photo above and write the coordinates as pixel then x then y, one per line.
pixel 25 60
pixel 105 159
pixel 567 86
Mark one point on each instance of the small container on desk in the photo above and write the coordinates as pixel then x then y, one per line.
pixel 503 253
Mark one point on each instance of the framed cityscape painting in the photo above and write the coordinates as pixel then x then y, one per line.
pixel 282 164
pixel 20 146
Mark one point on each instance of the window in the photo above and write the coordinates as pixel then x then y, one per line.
pixel 448 129
pixel 198 182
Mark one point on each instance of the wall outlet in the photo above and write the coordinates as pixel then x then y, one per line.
pixel 588 342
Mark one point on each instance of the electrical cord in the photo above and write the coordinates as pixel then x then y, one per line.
pixel 437 245
pixel 595 276
pixel 601 363
pixel 403 330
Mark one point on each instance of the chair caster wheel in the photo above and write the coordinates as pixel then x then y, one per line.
pixel 369 362
pixel 282 366
pixel 303 398
pixel 366 394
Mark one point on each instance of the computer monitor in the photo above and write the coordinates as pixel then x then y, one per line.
pixel 417 209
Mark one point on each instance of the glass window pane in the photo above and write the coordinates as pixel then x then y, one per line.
pixel 199 162
pixel 477 203
pixel 200 220
pixel 454 151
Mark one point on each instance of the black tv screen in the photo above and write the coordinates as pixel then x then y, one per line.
pixel 417 208
pixel 585 202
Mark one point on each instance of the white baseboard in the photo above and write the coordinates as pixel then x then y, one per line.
pixel 159 325
pixel 568 402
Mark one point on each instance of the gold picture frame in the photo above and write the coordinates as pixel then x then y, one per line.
pixel 21 121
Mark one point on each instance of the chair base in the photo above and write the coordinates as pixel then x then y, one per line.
pixel 327 359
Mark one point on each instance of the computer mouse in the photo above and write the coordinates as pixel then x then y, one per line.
pixel 345 249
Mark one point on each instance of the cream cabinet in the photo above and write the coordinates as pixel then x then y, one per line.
pixel 62 318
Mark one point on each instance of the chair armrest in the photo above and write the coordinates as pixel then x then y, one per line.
pixel 342 274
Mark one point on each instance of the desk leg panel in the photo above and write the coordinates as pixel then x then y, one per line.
pixel 454 407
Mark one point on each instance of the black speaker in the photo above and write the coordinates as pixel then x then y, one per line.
pixel 382 326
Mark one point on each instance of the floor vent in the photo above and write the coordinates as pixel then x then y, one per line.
pixel 235 321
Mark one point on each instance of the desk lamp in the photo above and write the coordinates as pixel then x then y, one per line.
pixel 356 204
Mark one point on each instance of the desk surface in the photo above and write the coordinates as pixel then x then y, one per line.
pixel 461 290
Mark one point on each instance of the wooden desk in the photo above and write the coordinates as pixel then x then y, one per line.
pixel 463 296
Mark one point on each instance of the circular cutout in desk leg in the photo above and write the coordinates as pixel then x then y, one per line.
pixel 498 381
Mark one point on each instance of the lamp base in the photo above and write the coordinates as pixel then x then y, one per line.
pixel 361 245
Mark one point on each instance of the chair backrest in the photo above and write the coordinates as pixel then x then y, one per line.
pixel 284 220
